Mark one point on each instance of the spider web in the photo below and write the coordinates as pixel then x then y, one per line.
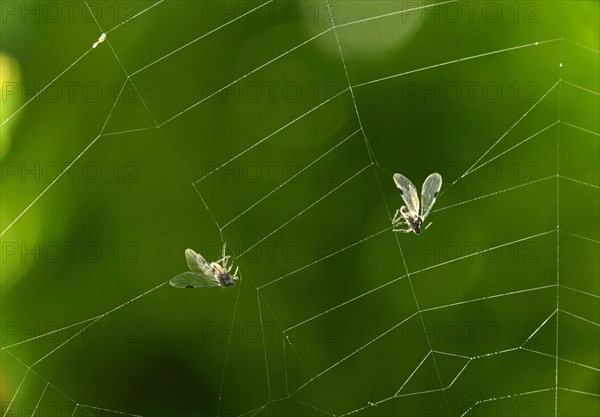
pixel 493 309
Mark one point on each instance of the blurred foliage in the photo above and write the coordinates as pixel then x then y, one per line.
pixel 278 166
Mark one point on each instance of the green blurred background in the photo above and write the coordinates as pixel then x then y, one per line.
pixel 325 320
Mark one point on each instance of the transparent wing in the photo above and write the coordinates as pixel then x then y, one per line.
pixel 200 274
pixel 197 263
pixel 408 193
pixel 193 280
pixel 431 188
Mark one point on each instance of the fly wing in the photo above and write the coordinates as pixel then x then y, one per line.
pixel 193 280
pixel 408 192
pixel 431 188
pixel 200 274
pixel 197 263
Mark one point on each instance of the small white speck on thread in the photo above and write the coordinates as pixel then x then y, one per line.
pixel 101 39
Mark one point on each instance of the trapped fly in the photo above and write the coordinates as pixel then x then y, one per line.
pixel 409 215
pixel 202 274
